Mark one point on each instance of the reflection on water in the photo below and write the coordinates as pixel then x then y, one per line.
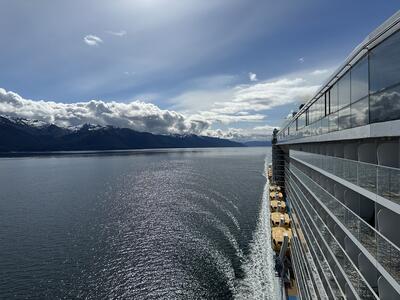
pixel 166 223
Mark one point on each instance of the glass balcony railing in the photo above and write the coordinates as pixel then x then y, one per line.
pixel 383 250
pixel 381 180
pixel 319 229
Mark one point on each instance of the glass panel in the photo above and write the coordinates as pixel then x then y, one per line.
pixel 385 64
pixel 325 125
pixel 333 122
pixel 389 183
pixel 319 127
pixel 301 121
pixel 378 246
pixel 359 80
pixel 344 90
pixel 344 118
pixel 334 98
pixel 321 107
pixel 385 106
pixel 359 113
pixel 312 113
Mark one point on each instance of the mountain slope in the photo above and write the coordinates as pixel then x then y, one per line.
pixel 23 135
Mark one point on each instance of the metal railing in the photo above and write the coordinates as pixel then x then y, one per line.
pixel 381 180
pixel 321 231
pixel 382 249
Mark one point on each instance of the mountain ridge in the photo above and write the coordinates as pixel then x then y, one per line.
pixel 22 135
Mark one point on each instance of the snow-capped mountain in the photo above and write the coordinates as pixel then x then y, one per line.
pixel 17 134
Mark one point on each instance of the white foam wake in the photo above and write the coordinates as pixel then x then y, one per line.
pixel 260 281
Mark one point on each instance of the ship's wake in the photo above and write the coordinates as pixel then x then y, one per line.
pixel 259 281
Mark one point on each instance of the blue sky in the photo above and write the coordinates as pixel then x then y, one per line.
pixel 229 68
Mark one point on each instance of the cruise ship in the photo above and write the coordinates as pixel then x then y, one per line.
pixel 336 162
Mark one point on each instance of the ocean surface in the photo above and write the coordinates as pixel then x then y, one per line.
pixel 162 224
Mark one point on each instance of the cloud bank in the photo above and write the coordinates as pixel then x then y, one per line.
pixel 136 115
pixel 245 106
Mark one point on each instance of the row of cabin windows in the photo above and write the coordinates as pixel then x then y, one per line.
pixel 368 93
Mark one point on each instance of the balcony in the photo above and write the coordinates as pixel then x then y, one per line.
pixel 323 236
pixel 380 180
pixel 384 251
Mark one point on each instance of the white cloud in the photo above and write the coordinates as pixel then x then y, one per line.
pixel 258 133
pixel 301 60
pixel 117 33
pixel 245 103
pixel 92 40
pixel 136 115
pixel 266 95
pixel 253 76
pixel 319 72
pixel 223 118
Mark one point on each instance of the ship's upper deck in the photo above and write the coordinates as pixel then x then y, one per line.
pixel 360 99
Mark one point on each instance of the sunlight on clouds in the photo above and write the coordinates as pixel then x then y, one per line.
pixel 265 96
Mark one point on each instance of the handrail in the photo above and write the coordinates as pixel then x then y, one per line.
pixel 381 181
pixel 297 189
pixel 393 277
pixel 348 209
pixel 345 159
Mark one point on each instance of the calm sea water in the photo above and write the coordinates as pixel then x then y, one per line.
pixel 171 224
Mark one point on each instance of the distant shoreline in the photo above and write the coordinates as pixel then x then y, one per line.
pixel 13 154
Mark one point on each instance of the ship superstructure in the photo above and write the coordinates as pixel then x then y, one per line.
pixel 337 164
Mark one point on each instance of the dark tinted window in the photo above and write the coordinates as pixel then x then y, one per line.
pixel 334 98
pixel 385 106
pixel 344 118
pixel 385 64
pixel 359 113
pixel 344 90
pixel 359 80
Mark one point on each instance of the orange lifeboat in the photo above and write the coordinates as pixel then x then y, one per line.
pixel 278 206
pixel 280 219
